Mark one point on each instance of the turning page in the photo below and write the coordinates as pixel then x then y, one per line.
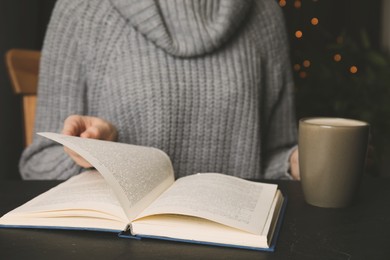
pixel 137 174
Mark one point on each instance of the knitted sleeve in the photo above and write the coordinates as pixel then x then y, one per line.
pixel 61 92
pixel 280 132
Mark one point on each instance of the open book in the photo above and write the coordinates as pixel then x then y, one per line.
pixel 133 192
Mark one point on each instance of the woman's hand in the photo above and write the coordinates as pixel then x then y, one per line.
pixel 87 127
pixel 294 165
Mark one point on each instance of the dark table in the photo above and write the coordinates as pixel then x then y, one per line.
pixel 361 231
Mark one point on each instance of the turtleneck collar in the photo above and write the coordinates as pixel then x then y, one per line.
pixel 185 28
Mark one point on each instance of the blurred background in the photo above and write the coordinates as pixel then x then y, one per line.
pixel 339 56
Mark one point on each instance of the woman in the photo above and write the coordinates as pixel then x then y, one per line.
pixel 208 82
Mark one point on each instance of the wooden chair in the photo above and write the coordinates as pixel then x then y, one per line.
pixel 23 67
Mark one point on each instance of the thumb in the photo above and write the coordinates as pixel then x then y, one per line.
pixel 91 132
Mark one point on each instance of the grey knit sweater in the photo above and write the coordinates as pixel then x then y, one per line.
pixel 207 81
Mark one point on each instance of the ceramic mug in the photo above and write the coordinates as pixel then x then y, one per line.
pixel 332 154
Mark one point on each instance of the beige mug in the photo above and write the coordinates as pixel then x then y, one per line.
pixel 332 154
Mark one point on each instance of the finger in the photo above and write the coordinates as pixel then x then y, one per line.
pixel 74 125
pixel 89 127
pixel 77 158
pixel 295 173
pixel 294 165
pixel 98 131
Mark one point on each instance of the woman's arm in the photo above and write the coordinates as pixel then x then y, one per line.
pixel 279 125
pixel 61 92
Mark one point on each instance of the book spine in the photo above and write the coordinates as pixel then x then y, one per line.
pixel 128 233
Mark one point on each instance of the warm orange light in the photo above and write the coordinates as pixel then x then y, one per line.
pixel 302 74
pixel 337 57
pixel 297 67
pixel 297 4
pixel 306 63
pixel 314 21
pixel 282 3
pixel 298 34
pixel 353 69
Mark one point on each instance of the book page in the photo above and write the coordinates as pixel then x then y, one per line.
pixel 196 229
pixel 137 174
pixel 224 199
pixel 85 196
pixel 202 230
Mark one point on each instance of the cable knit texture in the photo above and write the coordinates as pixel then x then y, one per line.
pixel 207 81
